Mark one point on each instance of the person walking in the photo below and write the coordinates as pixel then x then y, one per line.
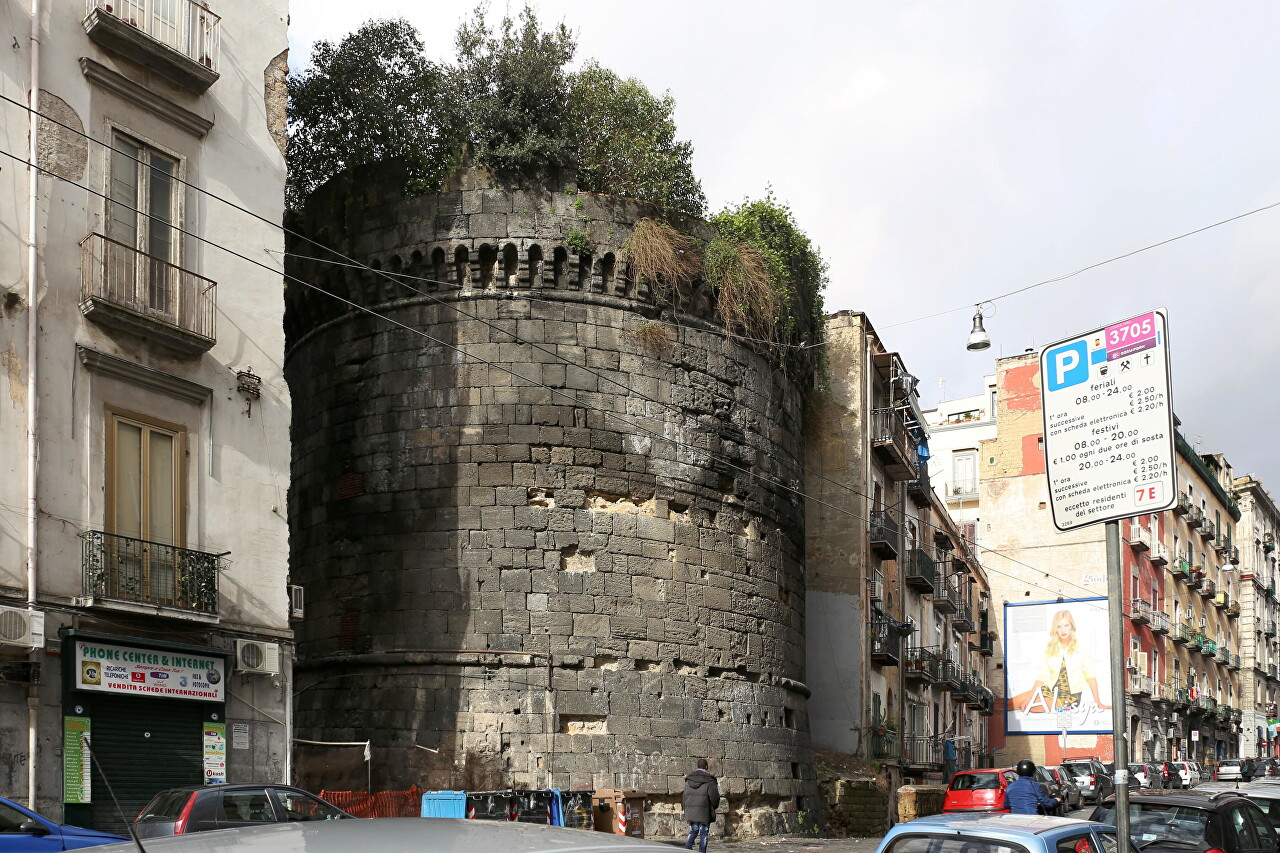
pixel 1025 794
pixel 1246 770
pixel 701 799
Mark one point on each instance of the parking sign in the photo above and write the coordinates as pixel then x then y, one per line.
pixel 1108 422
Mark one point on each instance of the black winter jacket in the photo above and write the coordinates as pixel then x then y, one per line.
pixel 701 797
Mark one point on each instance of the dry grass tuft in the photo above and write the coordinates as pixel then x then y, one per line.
pixel 744 293
pixel 663 257
pixel 652 337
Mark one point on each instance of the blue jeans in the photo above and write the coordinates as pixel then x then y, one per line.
pixel 694 829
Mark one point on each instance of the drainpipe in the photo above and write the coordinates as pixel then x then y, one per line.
pixel 33 395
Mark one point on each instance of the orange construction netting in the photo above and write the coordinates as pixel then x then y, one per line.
pixel 382 804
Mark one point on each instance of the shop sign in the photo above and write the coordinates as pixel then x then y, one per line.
pixel 215 753
pixel 122 670
pixel 77 780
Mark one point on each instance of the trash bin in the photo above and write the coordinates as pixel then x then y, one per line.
pixel 492 805
pixel 444 804
pixel 619 811
pixel 533 806
pixel 575 810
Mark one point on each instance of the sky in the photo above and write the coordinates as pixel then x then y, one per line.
pixel 942 154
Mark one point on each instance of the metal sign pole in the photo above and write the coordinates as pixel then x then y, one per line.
pixel 1119 698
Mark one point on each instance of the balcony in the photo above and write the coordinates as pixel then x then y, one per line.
pixel 1233 610
pixel 1159 622
pixel 1208 647
pixel 1139 683
pixel 1268 542
pixel 1194 639
pixel 1222 547
pixel 1162 692
pixel 1269 629
pixel 920 489
pixel 958 592
pixel 920 572
pixel 130 290
pixel 962 622
pixel 963 490
pixel 964 689
pixel 1223 656
pixel 1195 517
pixel 986 644
pixel 893 445
pixel 1208 529
pixel 1139 611
pixel 1208 589
pixel 1195 578
pixel 988 700
pixel 1181 633
pixel 1235 663
pixel 885 745
pixel 886 640
pixel 122 569
pixel 924 663
pixel 175 38
pixel 1271 672
pixel 947 599
pixel 952 674
pixel 1222 600
pixel 1234 557
pixel 922 752
pixel 875 586
pixel 1181 697
pixel 1160 554
pixel 884 534
pixel 1139 537
pixel 976 697
pixel 1183 506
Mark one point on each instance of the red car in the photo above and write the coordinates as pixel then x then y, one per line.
pixel 978 790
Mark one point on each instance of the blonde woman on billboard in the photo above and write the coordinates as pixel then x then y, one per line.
pixel 1065 672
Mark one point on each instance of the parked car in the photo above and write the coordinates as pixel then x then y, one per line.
pixel 992 833
pixel 1189 774
pixel 1050 784
pixel 399 835
pixel 1072 798
pixel 1228 770
pixel 1181 821
pixel 1146 776
pixel 1168 774
pixel 978 790
pixel 1092 778
pixel 23 829
pixel 197 808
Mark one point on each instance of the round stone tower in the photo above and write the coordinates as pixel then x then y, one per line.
pixel 534 509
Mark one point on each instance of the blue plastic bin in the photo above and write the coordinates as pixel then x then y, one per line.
pixel 444 804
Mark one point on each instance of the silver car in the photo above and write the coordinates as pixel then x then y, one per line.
pixel 396 835
pixel 1228 770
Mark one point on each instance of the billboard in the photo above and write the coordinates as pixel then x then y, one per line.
pixel 1057 667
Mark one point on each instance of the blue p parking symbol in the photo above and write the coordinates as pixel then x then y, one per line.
pixel 1067 365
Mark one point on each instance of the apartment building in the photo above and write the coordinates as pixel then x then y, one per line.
pixel 143 553
pixel 897 604
pixel 1257 532
pixel 1181 598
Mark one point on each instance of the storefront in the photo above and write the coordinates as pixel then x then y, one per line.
pixel 138 716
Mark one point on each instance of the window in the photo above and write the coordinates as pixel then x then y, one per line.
pixel 141 214
pixel 1077 844
pixel 145 491
pixel 299 806
pixel 250 806
pixel 964 472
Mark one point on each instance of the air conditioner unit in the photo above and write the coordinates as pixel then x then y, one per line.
pixel 257 657
pixel 295 601
pixel 22 628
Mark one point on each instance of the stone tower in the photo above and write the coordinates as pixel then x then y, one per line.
pixel 536 512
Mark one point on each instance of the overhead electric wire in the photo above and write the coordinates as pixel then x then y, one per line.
pixel 560 392
pixel 696 450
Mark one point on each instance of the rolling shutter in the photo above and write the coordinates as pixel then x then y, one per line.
pixel 143 746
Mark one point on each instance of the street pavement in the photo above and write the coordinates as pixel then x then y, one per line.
pixel 783 844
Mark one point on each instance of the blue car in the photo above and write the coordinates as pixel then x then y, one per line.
pixel 24 831
pixel 1000 833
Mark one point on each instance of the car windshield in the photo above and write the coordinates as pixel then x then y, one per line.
pixel 949 844
pixel 1162 823
pixel 1230 762
pixel 1079 769
pixel 975 782
pixel 166 805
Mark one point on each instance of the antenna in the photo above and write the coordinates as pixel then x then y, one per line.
pixel 84 739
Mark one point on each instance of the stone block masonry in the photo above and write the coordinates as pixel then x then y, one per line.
pixel 568 577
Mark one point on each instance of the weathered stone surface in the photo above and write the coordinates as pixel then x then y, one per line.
pixel 586 530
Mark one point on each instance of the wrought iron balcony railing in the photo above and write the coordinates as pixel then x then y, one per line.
pixel 922 751
pixel 126 287
pixel 884 534
pixel 182 25
pixel 126 569
pixel 891 438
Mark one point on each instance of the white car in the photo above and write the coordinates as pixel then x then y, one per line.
pixel 1188 773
